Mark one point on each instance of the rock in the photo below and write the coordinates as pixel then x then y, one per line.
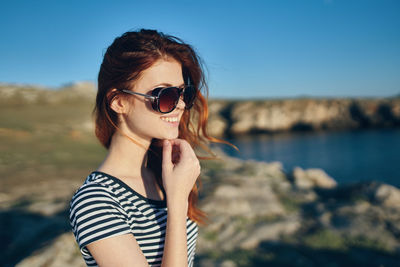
pixel 244 198
pixel 228 263
pixel 206 263
pixel 306 179
pixel 216 126
pixel 388 195
pixel 270 231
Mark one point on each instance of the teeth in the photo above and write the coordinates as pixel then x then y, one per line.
pixel 170 119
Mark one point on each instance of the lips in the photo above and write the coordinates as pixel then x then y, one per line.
pixel 172 118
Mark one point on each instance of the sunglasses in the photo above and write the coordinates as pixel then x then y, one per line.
pixel 165 99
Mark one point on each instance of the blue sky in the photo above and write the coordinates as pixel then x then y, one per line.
pixel 252 49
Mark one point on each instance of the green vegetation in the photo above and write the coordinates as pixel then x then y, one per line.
pixel 211 235
pixel 367 243
pixel 247 257
pixel 47 141
pixel 247 168
pixel 213 166
pixel 290 204
pixel 325 238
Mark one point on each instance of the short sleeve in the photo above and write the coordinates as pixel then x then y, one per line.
pixel 94 215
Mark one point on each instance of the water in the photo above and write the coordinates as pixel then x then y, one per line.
pixel 349 156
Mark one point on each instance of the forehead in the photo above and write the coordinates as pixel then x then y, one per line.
pixel 162 72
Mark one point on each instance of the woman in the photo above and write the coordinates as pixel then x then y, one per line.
pixel 139 207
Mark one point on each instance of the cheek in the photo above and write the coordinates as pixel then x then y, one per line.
pixel 138 116
pixel 142 120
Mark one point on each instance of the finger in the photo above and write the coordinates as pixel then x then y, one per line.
pixel 184 147
pixel 175 154
pixel 166 160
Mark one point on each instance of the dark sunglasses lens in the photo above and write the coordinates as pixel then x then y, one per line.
pixel 189 96
pixel 168 99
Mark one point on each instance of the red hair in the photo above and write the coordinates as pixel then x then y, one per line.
pixel 124 61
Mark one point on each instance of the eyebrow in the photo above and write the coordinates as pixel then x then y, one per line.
pixel 167 85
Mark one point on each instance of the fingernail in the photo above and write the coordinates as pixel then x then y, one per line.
pixel 166 142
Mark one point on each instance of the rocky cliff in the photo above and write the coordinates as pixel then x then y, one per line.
pixel 266 116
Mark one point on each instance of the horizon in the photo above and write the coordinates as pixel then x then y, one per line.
pixel 275 49
pixel 222 98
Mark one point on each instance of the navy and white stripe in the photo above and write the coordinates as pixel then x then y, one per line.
pixel 104 206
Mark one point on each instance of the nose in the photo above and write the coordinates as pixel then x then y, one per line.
pixel 181 104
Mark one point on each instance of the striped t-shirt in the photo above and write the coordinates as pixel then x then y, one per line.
pixel 104 206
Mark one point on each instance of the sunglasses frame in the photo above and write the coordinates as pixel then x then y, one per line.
pixel 155 99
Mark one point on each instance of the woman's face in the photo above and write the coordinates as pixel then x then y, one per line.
pixel 140 119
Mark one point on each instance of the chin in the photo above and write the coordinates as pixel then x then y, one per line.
pixel 170 135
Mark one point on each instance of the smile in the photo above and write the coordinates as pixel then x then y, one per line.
pixel 170 119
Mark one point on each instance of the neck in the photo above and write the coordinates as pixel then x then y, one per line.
pixel 125 158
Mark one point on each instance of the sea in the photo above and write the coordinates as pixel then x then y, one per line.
pixel 347 156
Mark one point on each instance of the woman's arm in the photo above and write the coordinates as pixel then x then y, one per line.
pixel 117 251
pixel 175 246
pixel 179 176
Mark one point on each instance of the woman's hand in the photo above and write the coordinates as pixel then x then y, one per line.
pixel 180 169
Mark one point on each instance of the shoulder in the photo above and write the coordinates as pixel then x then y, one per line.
pixel 95 211
pixel 95 194
pixel 95 186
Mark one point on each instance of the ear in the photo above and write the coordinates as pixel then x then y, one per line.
pixel 118 103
